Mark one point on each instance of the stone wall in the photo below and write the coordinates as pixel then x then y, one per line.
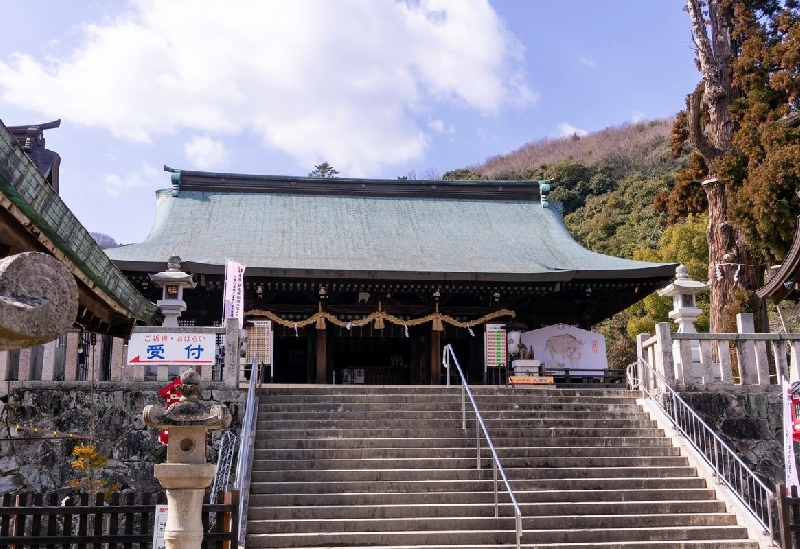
pixel 111 411
pixel 749 419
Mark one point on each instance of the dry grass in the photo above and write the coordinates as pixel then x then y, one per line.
pixel 641 147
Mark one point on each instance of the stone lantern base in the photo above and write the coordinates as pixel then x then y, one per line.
pixel 185 484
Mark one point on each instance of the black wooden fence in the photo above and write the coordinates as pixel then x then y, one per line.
pixel 124 521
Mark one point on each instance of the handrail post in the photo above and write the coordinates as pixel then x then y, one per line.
pixel 446 364
pixel 496 504
pixel 771 523
pixel 463 407
pixel 478 438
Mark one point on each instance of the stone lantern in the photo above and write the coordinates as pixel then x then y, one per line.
pixel 172 283
pixel 186 474
pixel 684 311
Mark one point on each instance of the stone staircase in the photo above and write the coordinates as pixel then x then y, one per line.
pixel 359 466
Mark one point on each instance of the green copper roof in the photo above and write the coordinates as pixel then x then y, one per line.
pixel 284 226
pixel 27 189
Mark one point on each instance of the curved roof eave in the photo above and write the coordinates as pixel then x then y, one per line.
pixel 784 282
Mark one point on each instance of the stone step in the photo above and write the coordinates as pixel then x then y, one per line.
pixel 468 462
pixel 463 451
pixel 653 544
pixel 473 485
pixel 503 534
pixel 485 509
pixel 434 523
pixel 497 433
pixel 395 474
pixel 454 400
pixel 555 496
pixel 417 391
pixel 396 420
pixel 428 405
pixel 460 441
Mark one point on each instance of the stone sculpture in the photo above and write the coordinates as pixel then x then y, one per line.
pixel 38 300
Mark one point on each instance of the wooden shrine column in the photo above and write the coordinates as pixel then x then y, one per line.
pixel 436 357
pixel 322 356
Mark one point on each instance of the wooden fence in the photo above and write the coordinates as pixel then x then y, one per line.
pixel 125 521
pixel 788 516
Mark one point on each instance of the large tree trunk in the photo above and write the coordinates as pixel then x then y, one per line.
pixel 729 261
pixel 730 266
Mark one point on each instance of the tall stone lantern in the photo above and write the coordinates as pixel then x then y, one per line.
pixel 186 474
pixel 172 283
pixel 684 313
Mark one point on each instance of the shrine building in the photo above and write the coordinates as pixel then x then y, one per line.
pixel 379 275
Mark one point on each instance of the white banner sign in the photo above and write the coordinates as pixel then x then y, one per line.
pixel 171 348
pixel 788 441
pixel 233 296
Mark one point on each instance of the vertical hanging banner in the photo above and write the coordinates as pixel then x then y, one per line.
pixel 790 461
pixel 233 296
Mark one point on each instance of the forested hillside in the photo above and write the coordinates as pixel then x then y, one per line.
pixel 608 183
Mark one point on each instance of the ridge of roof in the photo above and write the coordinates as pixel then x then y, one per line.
pixel 534 191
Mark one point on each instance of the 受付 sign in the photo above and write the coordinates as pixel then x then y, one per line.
pixel 171 348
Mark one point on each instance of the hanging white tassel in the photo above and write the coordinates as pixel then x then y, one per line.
pixel 406 328
pixel 349 325
pixel 297 335
pixel 736 276
pixel 471 331
pixel 719 272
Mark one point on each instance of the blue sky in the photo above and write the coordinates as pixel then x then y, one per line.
pixel 378 88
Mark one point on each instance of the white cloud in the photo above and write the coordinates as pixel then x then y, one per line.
pixel 145 176
pixel 567 130
pixel 205 153
pixel 637 116
pixel 301 74
pixel 583 60
pixel 439 127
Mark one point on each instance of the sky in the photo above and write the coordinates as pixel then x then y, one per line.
pixel 377 88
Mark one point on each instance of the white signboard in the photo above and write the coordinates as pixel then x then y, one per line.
pixel 171 348
pixel 495 346
pixel 159 527
pixel 562 347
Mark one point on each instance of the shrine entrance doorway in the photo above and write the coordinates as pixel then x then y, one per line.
pixel 370 360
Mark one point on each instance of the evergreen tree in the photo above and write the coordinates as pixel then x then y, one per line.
pixel 738 123
pixel 324 170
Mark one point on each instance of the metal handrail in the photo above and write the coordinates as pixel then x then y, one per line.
pixel 447 353
pixel 245 460
pixel 728 467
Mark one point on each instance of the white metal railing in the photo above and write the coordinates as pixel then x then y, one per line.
pixel 728 467
pixel 447 356
pixel 246 440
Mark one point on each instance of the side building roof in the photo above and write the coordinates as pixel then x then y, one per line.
pixel 369 229
pixel 785 283
pixel 34 218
